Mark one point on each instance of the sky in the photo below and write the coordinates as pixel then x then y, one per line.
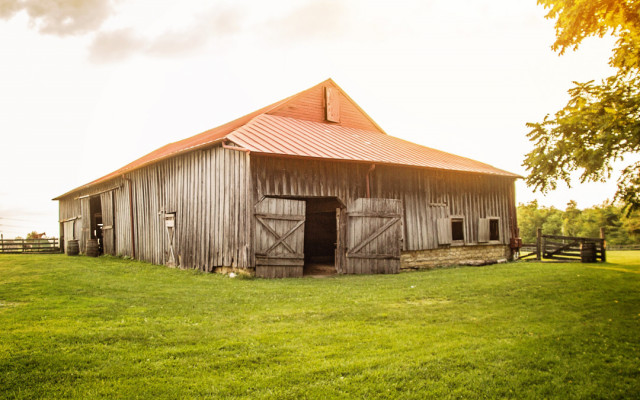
pixel 88 86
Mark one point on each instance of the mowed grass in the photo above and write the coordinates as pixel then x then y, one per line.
pixel 83 327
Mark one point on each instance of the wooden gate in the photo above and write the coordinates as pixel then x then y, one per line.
pixel 374 236
pixel 279 238
pixel 568 248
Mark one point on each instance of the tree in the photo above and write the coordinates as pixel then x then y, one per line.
pixel 553 223
pixel 571 219
pixel 619 228
pixel 631 225
pixel 531 217
pixel 35 235
pixel 606 216
pixel 601 122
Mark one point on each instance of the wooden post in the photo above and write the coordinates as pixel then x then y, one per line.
pixel 1 243
pixel 603 244
pixel 539 244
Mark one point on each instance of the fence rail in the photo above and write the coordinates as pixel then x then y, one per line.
pixel 574 248
pixel 623 247
pixel 51 245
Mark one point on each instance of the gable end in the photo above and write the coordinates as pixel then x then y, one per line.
pixel 326 102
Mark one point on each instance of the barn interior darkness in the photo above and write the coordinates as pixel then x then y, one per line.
pixel 320 235
pixel 95 210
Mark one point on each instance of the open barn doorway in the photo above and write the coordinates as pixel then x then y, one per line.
pixel 95 210
pixel 320 235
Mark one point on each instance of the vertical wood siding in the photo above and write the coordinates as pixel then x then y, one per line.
pixel 108 233
pixel 374 232
pixel 206 189
pixel 426 195
pixel 432 195
pixel 213 192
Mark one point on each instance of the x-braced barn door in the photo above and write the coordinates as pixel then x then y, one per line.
pixel 279 237
pixel 374 236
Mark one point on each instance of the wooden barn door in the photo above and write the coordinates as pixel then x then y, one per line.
pixel 279 238
pixel 85 212
pixel 108 223
pixel 341 240
pixel 374 236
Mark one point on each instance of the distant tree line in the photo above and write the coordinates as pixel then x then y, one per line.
pixel 620 228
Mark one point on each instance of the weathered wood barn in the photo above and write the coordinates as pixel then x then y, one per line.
pixel 309 180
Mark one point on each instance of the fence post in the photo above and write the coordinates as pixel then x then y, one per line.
pixel 603 243
pixel 539 244
pixel 1 243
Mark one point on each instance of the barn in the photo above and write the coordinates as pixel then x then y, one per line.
pixel 309 183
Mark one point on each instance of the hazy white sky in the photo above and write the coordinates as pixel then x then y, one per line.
pixel 86 87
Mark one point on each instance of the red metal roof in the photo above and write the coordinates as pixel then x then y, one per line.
pixel 293 137
pixel 263 133
pixel 206 138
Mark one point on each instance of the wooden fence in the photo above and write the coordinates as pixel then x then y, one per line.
pixel 623 247
pixel 568 248
pixel 30 246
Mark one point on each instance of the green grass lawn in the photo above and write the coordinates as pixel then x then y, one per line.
pixel 110 328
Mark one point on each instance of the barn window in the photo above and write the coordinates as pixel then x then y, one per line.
pixel 489 230
pixel 494 229
pixel 457 229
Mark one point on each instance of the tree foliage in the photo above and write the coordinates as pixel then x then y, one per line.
pixel 620 228
pixel 601 122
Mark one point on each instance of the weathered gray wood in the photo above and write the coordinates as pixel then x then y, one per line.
pixel 279 272
pixel 191 185
pixel 374 230
pixel 85 223
pixel 379 230
pixel 279 240
pixel 483 230
pixel 213 192
pixel 108 231
pixel 426 195
pixel 280 260
pixel 444 231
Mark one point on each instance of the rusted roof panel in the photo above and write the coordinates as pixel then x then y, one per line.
pixel 276 135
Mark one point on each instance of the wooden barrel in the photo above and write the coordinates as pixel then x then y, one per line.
pixel 72 248
pixel 92 248
pixel 588 252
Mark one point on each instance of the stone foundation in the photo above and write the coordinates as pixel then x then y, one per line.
pixel 454 255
